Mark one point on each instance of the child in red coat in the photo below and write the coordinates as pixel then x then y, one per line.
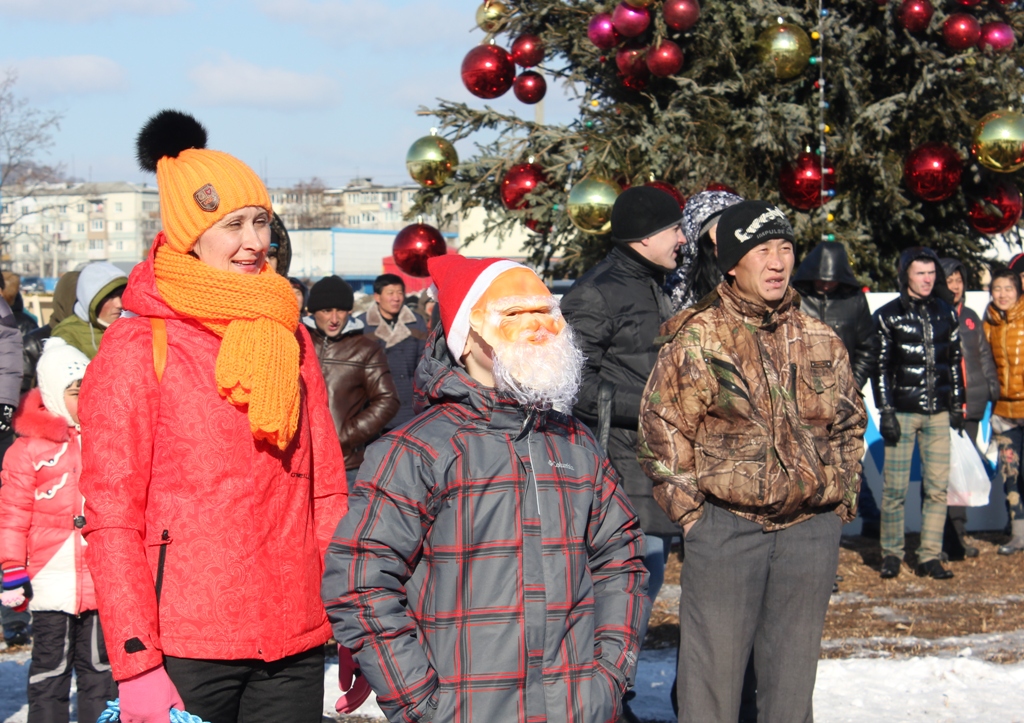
pixel 42 551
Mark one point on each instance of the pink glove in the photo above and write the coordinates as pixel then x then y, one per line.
pixel 148 697
pixel 354 688
pixel 12 598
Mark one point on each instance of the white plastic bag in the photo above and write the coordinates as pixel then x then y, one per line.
pixel 969 484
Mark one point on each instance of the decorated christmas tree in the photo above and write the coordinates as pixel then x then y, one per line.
pixel 880 125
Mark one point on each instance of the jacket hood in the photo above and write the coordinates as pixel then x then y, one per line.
pixel 64 297
pixel 141 297
pixel 922 253
pixel 826 262
pixel 951 266
pixel 33 419
pixel 94 283
pixel 439 380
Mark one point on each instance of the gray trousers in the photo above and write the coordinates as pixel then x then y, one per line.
pixel 744 588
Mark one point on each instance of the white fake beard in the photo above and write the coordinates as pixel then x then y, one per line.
pixel 541 376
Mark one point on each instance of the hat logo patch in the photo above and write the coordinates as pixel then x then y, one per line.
pixel 757 223
pixel 207 198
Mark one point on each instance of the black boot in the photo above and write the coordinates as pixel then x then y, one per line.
pixel 890 567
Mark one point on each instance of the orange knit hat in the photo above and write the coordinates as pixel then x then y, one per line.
pixel 198 187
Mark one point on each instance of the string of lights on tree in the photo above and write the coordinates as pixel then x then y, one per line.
pixel 643 47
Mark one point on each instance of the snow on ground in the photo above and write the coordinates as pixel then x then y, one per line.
pixel 908 690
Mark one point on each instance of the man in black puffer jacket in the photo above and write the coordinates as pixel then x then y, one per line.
pixel 615 310
pixel 919 393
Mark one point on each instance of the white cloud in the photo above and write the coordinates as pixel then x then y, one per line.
pixel 238 84
pixel 426 24
pixel 78 11
pixel 42 78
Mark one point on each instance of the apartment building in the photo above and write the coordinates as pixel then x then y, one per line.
pixel 45 231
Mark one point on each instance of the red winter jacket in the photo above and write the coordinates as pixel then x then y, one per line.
pixel 176 484
pixel 40 501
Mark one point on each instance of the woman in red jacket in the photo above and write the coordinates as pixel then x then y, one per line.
pixel 212 473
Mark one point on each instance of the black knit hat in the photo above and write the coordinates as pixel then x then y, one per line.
pixel 642 211
pixel 330 292
pixel 746 225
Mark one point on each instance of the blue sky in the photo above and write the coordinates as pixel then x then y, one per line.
pixel 296 88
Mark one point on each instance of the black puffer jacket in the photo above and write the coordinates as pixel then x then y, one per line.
pixel 919 355
pixel 616 309
pixel 845 310
pixel 981 380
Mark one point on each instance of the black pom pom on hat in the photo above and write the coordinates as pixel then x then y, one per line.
pixel 168 133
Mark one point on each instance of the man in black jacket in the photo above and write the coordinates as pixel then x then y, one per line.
pixel 919 393
pixel 616 309
pixel 830 293
pixel 981 386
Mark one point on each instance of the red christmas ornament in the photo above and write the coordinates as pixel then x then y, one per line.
pixel 997 37
pixel 414 245
pixel 997 209
pixel 488 71
pixel 630 21
pixel 968 3
pixel 530 87
pixel 932 171
pixel 602 32
pixel 670 190
pixel 801 182
pixel 632 67
pixel 520 179
pixel 537 226
pixel 914 15
pixel 681 15
pixel 715 186
pixel 961 31
pixel 665 60
pixel 527 50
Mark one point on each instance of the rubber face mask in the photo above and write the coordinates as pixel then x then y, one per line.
pixel 517 307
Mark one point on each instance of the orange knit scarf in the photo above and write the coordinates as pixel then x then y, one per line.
pixel 256 318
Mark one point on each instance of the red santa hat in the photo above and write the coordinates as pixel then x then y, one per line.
pixel 460 283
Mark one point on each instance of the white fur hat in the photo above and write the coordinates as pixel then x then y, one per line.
pixel 59 367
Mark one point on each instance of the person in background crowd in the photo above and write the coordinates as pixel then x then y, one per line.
pixel 63 306
pixel 981 386
pixel 97 306
pixel 10 287
pixel 1004 328
pixel 759 468
pixel 919 393
pixel 831 294
pixel 280 254
pixel 402 332
pixel 212 472
pixel 490 567
pixel 301 292
pixel 360 390
pixel 1016 265
pixel 425 307
pixel 15 624
pixel 697 273
pixel 41 548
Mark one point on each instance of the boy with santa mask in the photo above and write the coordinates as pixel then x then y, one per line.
pixel 490 566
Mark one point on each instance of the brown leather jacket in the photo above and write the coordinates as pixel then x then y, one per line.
pixel 360 390
pixel 1005 332
pixel 753 410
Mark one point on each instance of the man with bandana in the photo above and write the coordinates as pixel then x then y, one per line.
pixel 490 566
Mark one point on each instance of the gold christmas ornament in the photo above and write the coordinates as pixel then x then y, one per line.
pixel 999 141
pixel 431 161
pixel 786 48
pixel 491 15
pixel 590 204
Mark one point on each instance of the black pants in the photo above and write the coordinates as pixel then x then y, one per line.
pixel 62 642
pixel 252 691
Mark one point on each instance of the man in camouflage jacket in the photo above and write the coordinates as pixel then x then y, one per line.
pixel 752 431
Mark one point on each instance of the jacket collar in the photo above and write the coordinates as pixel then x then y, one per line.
pixel 757 313
pixel 995 317
pixel 634 264
pixel 391 335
